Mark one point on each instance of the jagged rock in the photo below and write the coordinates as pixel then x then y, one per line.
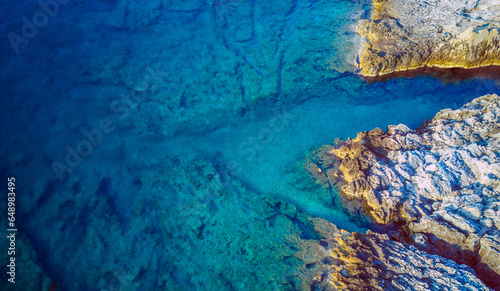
pixel 403 35
pixel 490 253
pixel 371 261
pixel 442 180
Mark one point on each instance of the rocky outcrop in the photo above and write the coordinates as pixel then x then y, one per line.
pixel 403 35
pixel 371 261
pixel 442 181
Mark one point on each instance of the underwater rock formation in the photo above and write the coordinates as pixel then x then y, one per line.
pixel 371 261
pixel 232 44
pixel 403 35
pixel 189 225
pixel 442 181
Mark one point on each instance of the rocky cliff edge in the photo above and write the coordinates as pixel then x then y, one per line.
pixel 404 35
pixel 441 182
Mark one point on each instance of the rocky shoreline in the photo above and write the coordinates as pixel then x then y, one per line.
pixel 440 183
pixel 405 35
pixel 372 261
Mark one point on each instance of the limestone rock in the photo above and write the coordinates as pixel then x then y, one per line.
pixel 403 35
pixel 490 253
pixel 371 261
pixel 442 181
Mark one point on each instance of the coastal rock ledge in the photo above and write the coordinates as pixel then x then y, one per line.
pixel 439 183
pixel 343 260
pixel 403 35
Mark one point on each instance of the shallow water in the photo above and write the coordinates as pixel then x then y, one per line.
pixel 237 89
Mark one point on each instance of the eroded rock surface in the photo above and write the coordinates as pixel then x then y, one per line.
pixel 403 35
pixel 371 261
pixel 442 181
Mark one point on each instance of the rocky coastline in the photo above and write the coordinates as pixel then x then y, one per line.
pixel 371 261
pixel 440 184
pixel 405 35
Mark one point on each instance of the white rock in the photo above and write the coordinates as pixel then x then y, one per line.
pixel 472 212
pixel 431 168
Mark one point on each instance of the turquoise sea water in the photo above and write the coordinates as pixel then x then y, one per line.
pixel 160 145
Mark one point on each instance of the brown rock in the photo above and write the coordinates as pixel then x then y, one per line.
pixel 405 35
pixel 371 261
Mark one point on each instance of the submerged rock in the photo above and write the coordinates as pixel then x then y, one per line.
pixel 190 225
pixel 187 224
pixel 441 181
pixel 403 35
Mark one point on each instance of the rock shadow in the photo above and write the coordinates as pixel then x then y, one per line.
pixel 446 75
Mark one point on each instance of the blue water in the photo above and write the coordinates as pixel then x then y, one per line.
pixel 160 145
